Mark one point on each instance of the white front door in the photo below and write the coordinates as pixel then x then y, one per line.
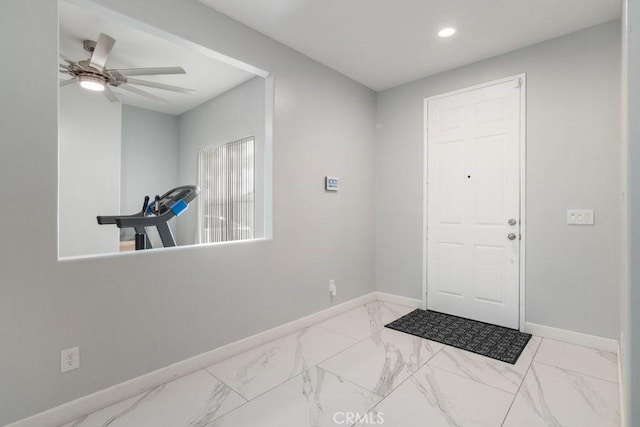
pixel 473 203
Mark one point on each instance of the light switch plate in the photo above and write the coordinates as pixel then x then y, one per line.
pixel 580 216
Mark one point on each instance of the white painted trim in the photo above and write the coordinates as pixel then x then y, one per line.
pixel 523 186
pixel 578 338
pixel 70 411
pixel 87 404
pixel 425 200
pixel 523 195
pixel 269 110
pixel 474 87
pixel 399 300
pixel 621 396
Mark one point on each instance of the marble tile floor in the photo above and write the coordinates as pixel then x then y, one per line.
pixel 350 370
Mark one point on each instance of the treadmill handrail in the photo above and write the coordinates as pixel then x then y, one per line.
pixel 140 220
pixel 113 219
pixel 167 206
pixel 129 221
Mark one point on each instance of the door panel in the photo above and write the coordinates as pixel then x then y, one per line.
pixel 451 203
pixel 473 168
pixel 487 273
pixel 488 178
pixel 451 119
pixel 489 111
pixel 450 280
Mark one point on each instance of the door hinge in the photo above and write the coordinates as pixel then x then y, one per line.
pixel 517 83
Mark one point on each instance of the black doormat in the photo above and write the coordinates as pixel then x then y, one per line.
pixel 493 341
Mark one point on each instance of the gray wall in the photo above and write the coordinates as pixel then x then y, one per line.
pixel 631 292
pixel 89 177
pixel 573 160
pixel 235 114
pixel 149 158
pixel 134 314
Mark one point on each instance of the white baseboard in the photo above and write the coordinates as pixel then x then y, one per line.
pixel 77 408
pixel 621 389
pixel 578 338
pixel 70 411
pixel 396 299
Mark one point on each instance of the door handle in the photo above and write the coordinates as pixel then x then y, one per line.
pixel 511 236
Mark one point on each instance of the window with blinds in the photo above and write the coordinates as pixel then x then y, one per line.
pixel 226 208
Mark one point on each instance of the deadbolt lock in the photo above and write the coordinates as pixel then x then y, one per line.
pixel 512 221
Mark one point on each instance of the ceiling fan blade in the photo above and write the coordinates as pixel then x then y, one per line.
pixel 159 86
pixel 65 59
pixel 66 67
pixel 66 82
pixel 149 71
pixel 141 93
pixel 101 51
pixel 110 95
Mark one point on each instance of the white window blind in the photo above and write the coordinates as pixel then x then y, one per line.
pixel 226 208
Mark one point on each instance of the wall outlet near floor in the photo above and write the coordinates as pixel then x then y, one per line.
pixel 70 359
pixel 332 287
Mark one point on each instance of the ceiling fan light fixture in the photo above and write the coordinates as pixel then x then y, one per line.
pixel 447 32
pixel 92 83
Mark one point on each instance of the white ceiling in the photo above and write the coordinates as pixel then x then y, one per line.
pixel 384 43
pixel 136 48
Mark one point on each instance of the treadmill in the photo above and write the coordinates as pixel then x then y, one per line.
pixel 155 214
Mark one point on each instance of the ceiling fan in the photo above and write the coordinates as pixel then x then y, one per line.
pixel 93 74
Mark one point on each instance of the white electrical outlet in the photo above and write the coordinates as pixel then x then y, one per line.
pixel 332 287
pixel 70 359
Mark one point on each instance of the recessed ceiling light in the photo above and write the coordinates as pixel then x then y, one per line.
pixel 447 32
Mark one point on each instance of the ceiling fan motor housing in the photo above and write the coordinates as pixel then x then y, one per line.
pixel 83 69
pixel 89 45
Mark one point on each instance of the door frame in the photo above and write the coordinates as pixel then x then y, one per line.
pixel 522 79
